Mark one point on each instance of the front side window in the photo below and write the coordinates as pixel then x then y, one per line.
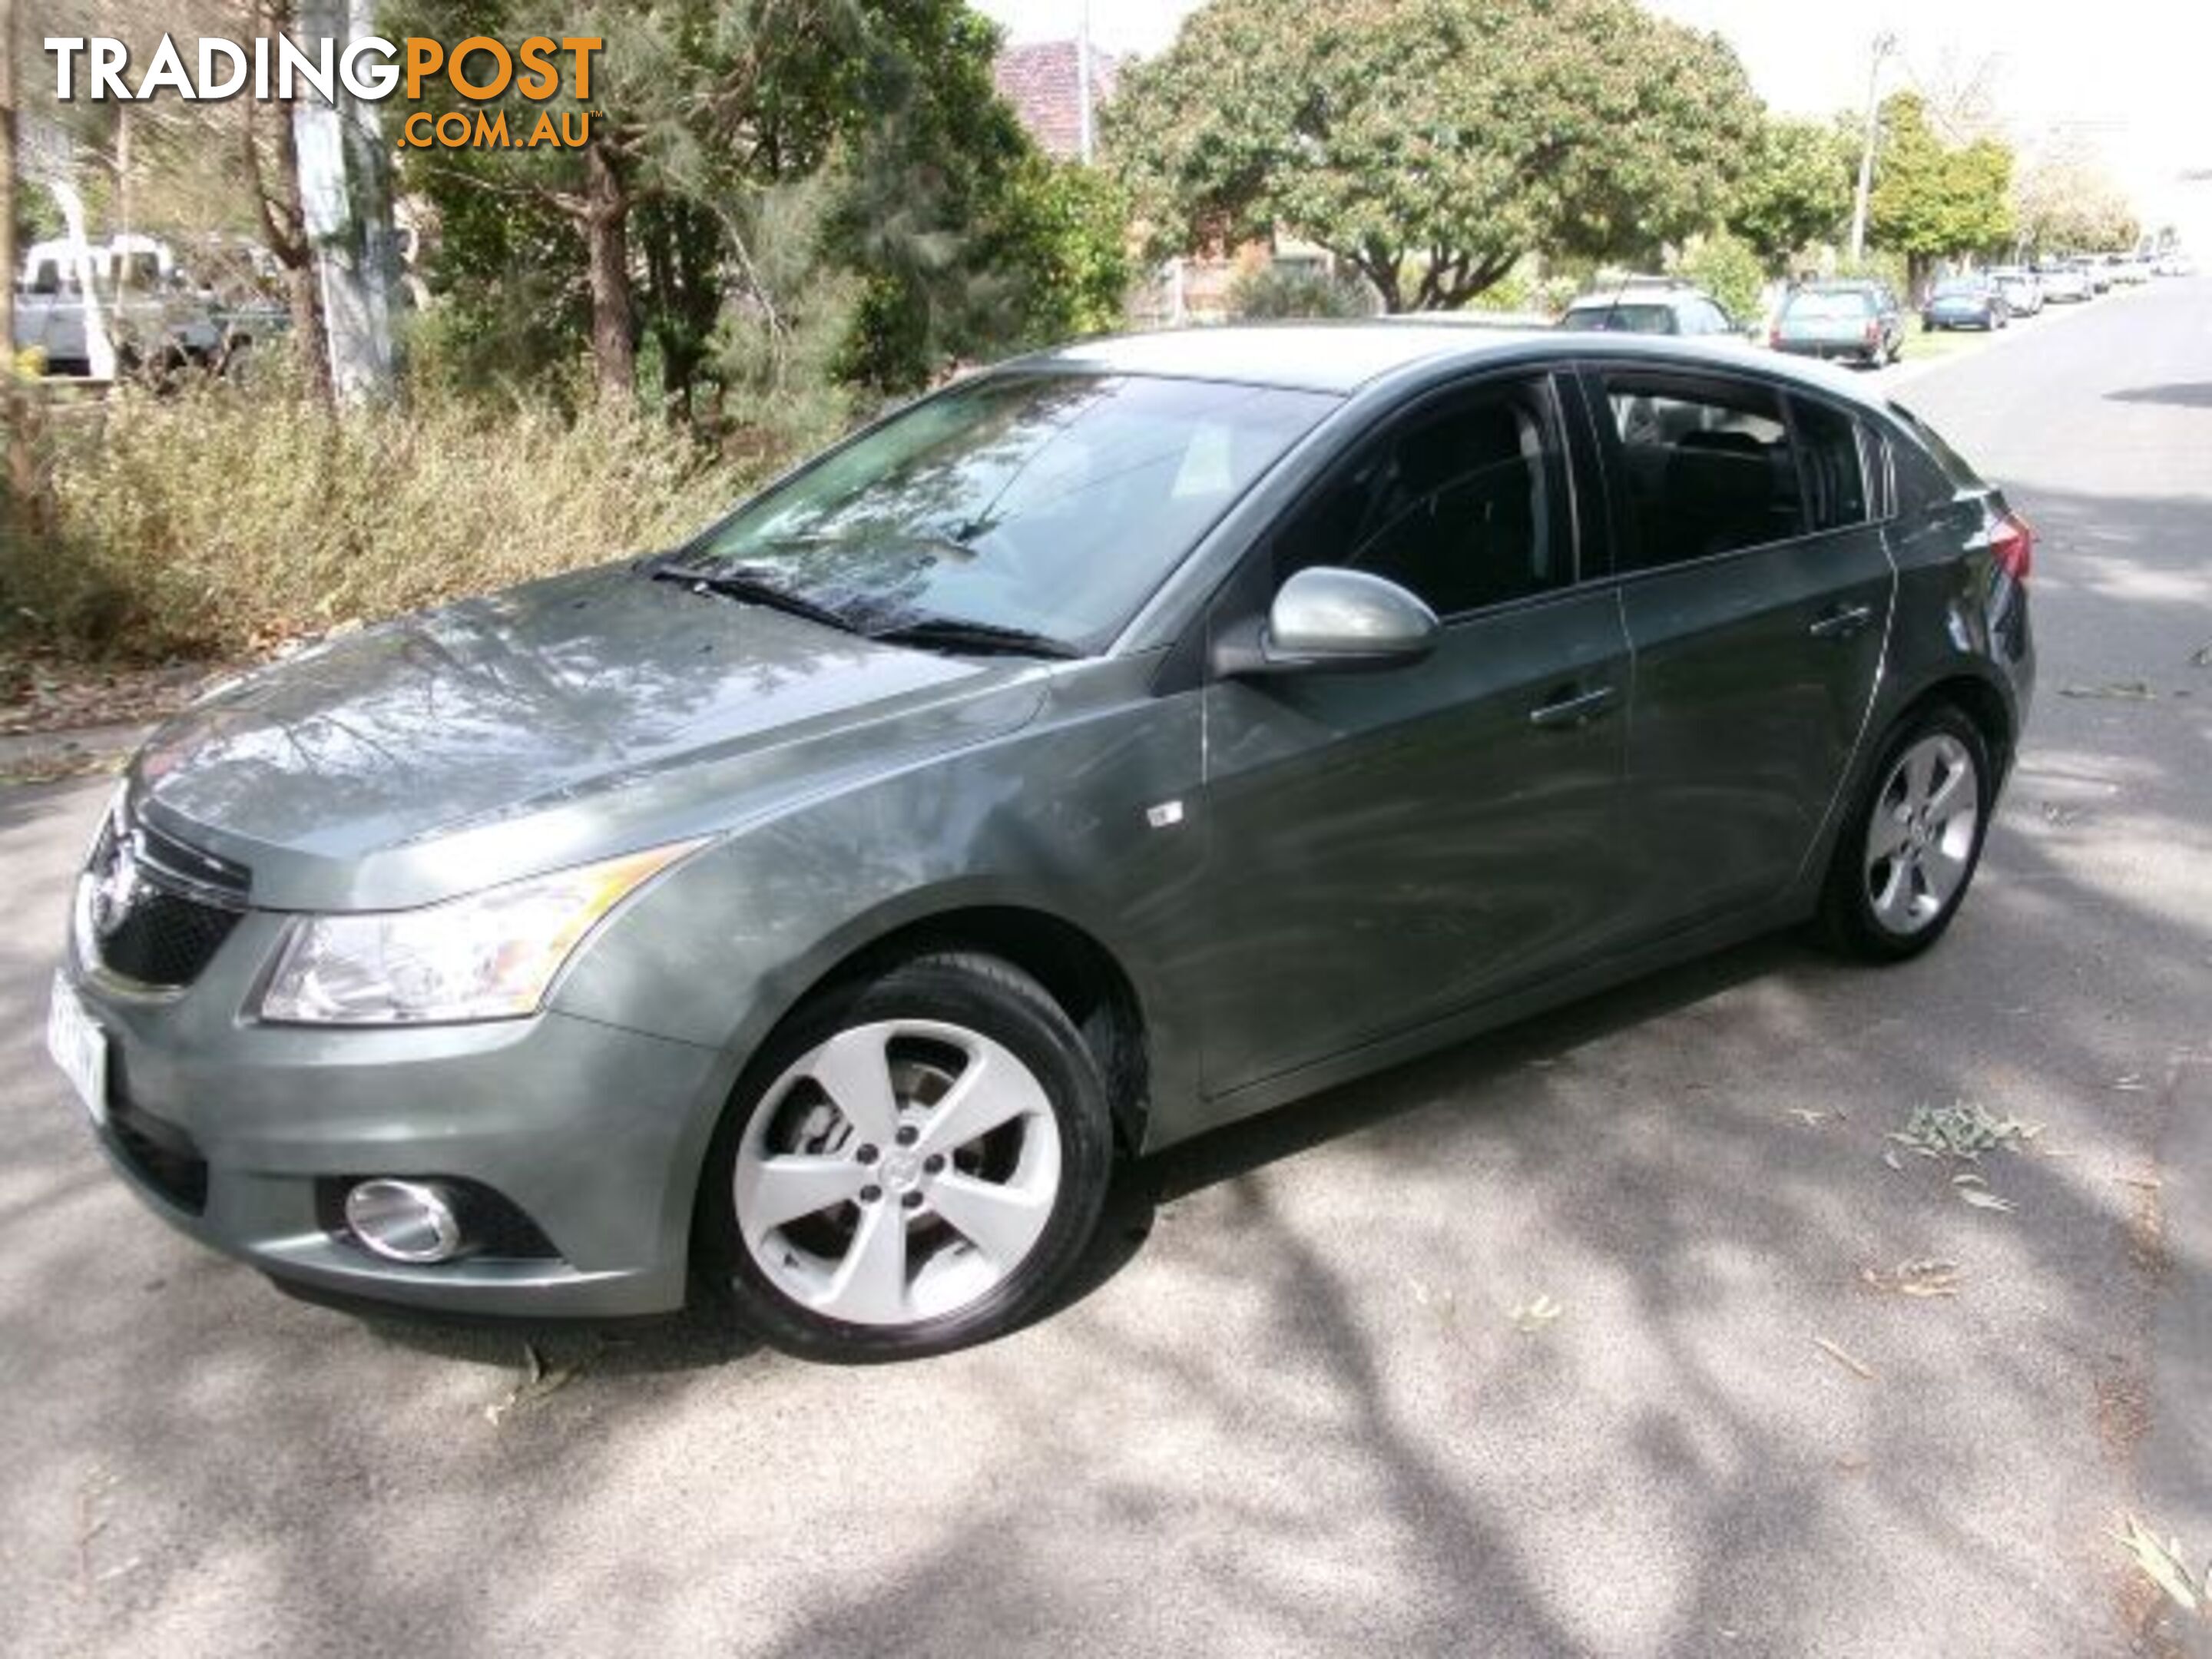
pixel 1049 504
pixel 1705 466
pixel 1463 506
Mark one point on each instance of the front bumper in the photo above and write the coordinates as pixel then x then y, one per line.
pixel 242 1134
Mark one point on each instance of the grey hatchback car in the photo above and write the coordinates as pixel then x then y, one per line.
pixel 1122 741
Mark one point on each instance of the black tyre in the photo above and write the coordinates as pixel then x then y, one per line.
pixel 1908 851
pixel 914 1164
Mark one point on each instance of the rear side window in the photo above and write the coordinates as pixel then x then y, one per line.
pixel 1463 506
pixel 1623 318
pixel 1706 318
pixel 1705 467
pixel 1835 478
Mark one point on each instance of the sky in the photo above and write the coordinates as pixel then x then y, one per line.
pixel 2128 78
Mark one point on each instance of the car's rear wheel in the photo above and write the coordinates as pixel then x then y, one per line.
pixel 915 1164
pixel 1908 851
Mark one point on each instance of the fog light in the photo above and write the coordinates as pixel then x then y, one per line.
pixel 410 1221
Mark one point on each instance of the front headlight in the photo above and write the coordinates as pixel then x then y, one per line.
pixel 485 955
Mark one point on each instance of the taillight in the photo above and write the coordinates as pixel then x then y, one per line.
pixel 1873 332
pixel 1774 335
pixel 2012 544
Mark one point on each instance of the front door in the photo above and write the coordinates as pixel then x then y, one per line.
pixel 1757 597
pixel 1386 848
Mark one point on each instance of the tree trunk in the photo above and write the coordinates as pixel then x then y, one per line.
pixel 606 236
pixel 8 187
pixel 298 258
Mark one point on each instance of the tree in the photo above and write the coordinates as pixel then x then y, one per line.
pixel 1932 200
pixel 1797 190
pixel 712 123
pixel 273 165
pixel 2064 203
pixel 1430 144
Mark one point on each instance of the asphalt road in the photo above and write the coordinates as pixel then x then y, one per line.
pixel 1294 1414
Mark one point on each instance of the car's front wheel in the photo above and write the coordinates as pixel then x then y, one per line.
pixel 1908 854
pixel 915 1164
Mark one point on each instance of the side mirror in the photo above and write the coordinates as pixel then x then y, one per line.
pixel 1326 620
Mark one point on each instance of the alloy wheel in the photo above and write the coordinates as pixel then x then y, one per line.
pixel 1920 845
pixel 899 1172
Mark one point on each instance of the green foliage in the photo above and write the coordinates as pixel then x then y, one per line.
pixel 1728 269
pixel 1879 266
pixel 1796 192
pixel 1932 199
pixel 1067 228
pixel 1271 292
pixel 1445 138
pixel 219 518
pixel 961 240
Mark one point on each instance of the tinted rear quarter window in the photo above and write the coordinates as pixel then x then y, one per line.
pixel 1930 472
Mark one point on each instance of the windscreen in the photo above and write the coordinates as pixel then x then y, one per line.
pixel 1051 503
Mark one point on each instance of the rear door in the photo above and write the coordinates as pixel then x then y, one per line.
pixel 1756 592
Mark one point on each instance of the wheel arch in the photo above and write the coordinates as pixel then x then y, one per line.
pixel 1980 702
pixel 1079 971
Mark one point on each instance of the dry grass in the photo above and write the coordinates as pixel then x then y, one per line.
pixel 216 520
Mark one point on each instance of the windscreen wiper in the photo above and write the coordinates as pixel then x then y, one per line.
pixel 956 633
pixel 752 587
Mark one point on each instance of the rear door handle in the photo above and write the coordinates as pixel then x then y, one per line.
pixel 1842 622
pixel 1576 708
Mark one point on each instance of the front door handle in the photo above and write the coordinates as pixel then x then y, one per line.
pixel 1842 622
pixel 1576 708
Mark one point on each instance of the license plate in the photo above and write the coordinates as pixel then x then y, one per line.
pixel 79 1047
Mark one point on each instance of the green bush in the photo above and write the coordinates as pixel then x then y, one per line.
pixel 220 519
pixel 1274 292
pixel 1728 269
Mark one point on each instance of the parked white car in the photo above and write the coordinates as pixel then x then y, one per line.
pixel 147 304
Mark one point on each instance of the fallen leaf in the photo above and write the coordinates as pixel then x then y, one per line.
pixel 2202 657
pixel 2160 1562
pixel 1920 1278
pixel 2113 692
pixel 1982 1199
pixel 537 1383
pixel 1969 1179
pixel 2132 1083
pixel 1531 1316
pixel 1849 1362
pixel 2148 1183
pixel 1808 1117
pixel 1890 1157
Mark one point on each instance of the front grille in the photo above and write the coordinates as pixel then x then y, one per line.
pixel 154 911
pixel 163 940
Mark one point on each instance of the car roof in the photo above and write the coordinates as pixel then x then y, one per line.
pixel 1650 294
pixel 1346 357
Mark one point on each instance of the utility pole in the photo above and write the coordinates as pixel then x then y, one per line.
pixel 1084 142
pixel 1884 44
